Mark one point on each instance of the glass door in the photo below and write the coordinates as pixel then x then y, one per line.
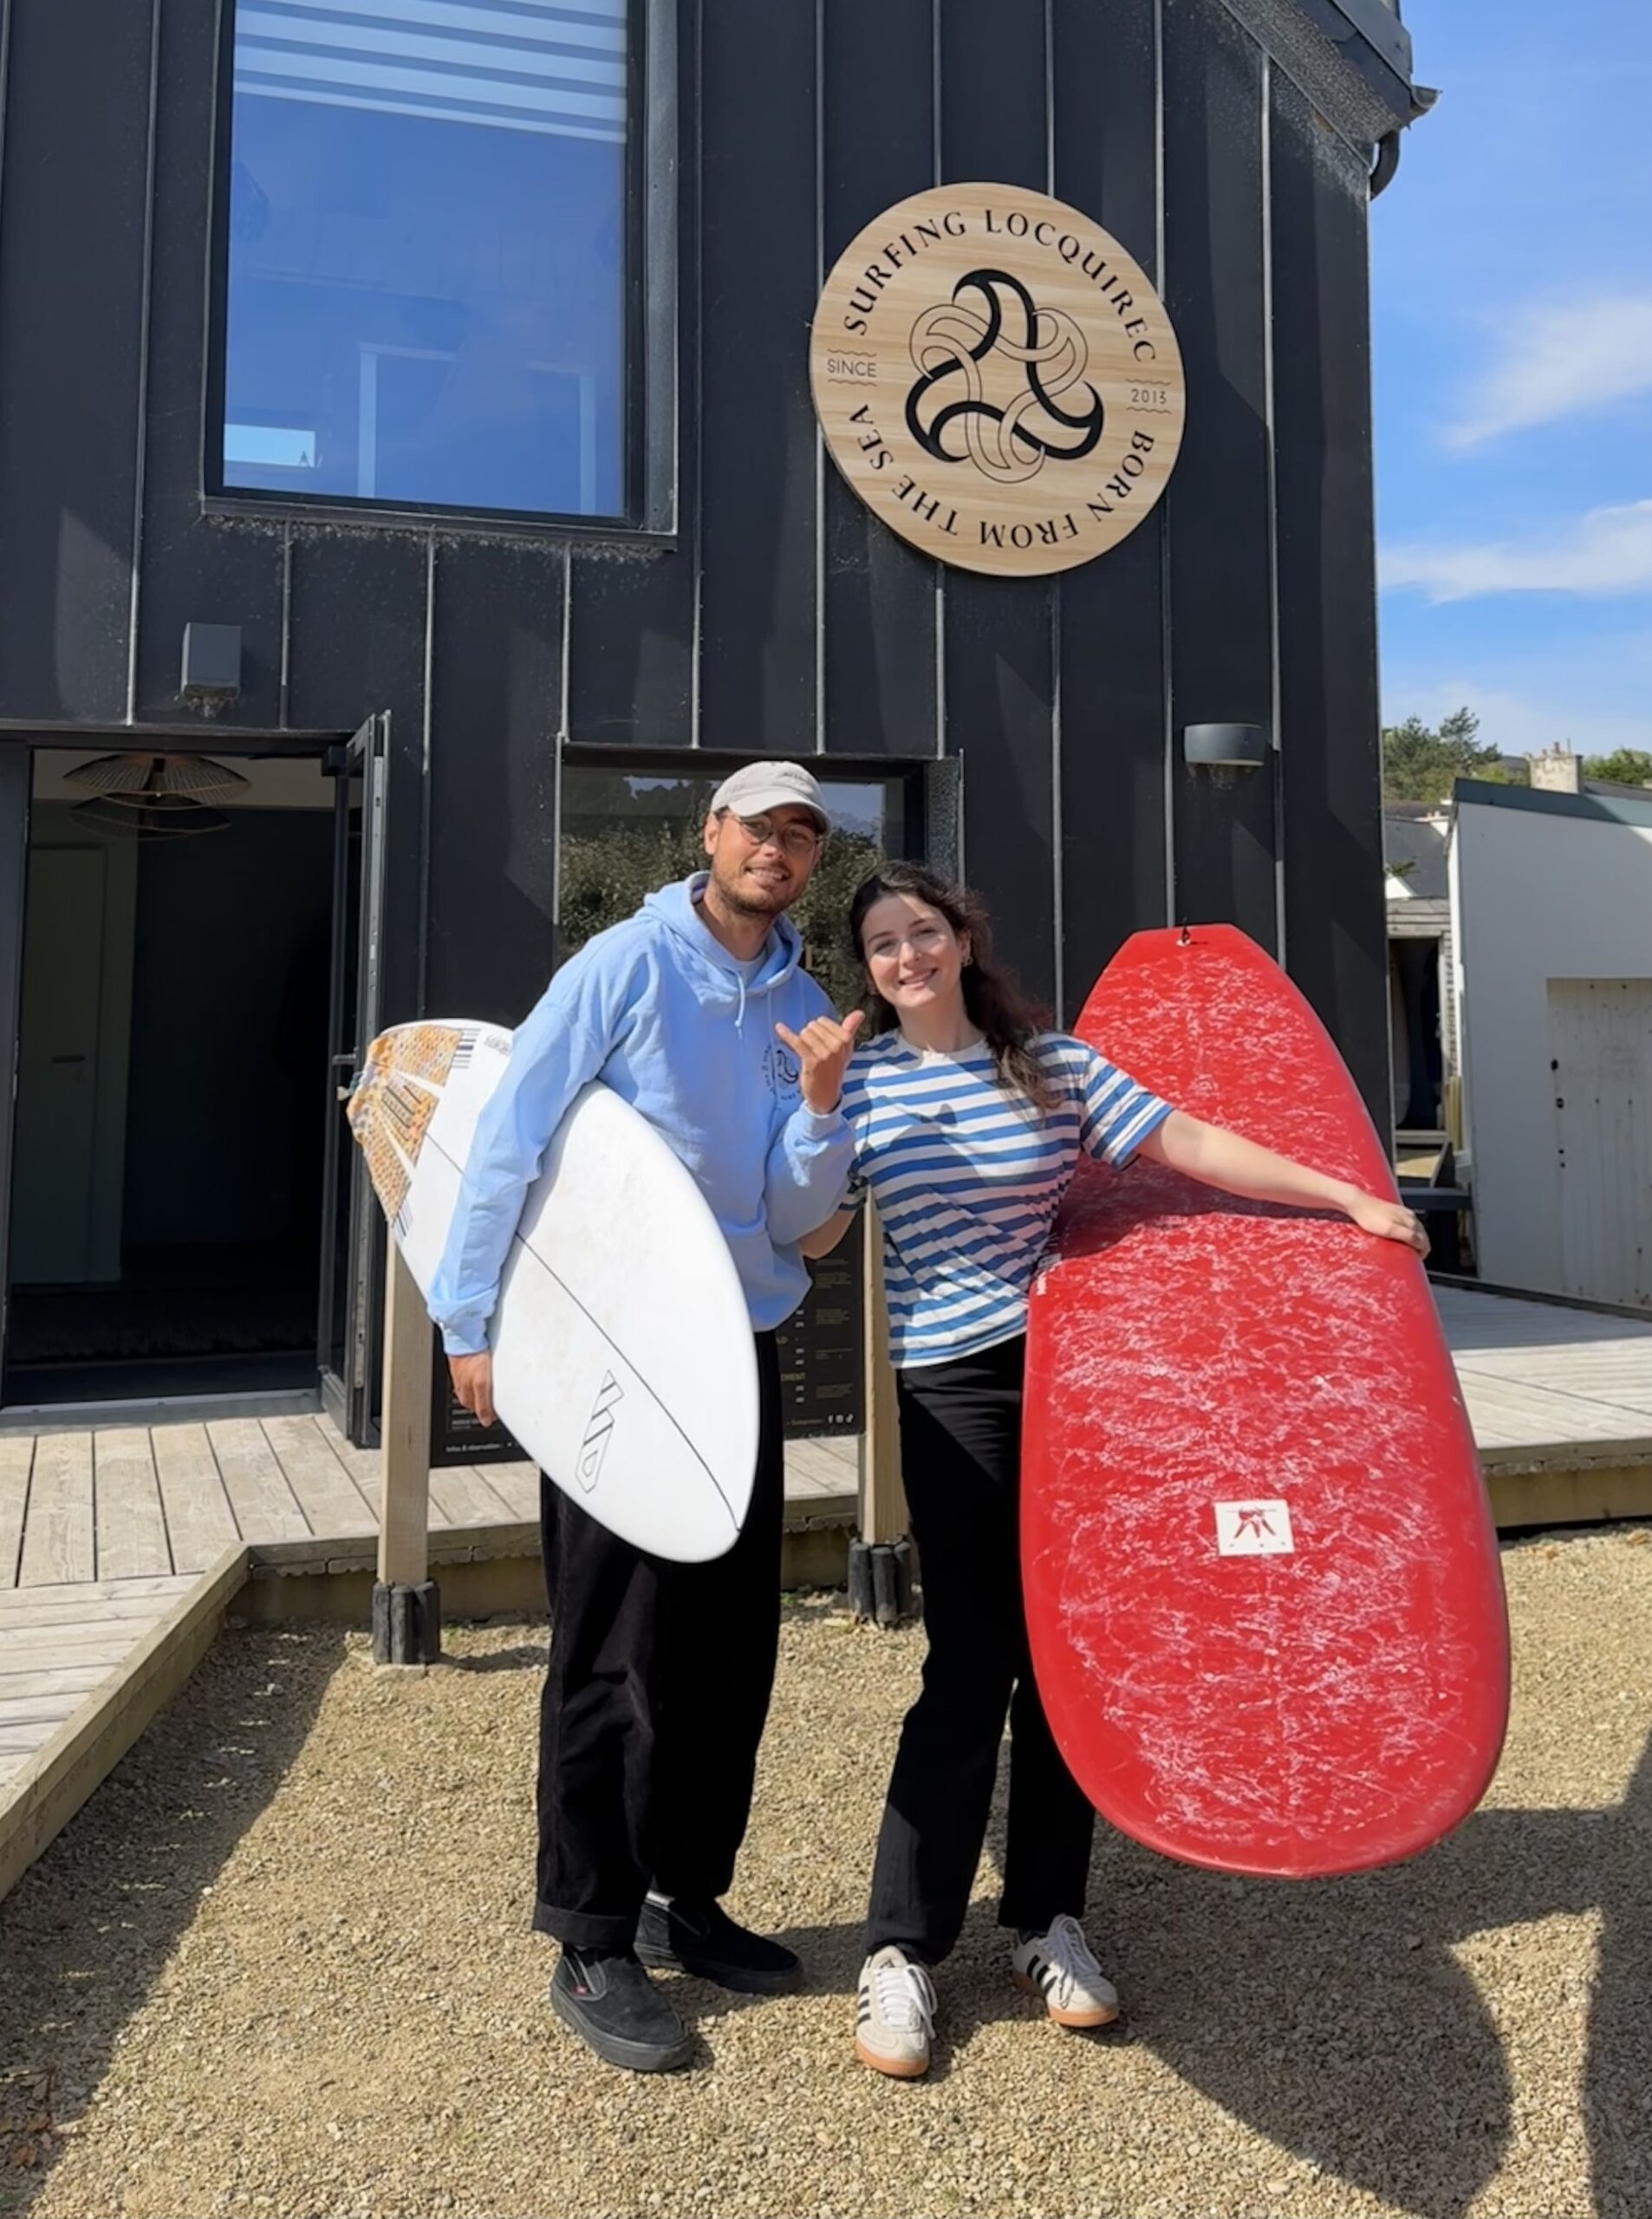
pixel 352 1291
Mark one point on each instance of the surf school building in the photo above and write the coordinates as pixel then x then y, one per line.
pixel 438 437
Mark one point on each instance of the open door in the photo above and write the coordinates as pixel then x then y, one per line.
pixel 352 1292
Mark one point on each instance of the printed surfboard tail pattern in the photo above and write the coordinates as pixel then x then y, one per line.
pixel 394 1101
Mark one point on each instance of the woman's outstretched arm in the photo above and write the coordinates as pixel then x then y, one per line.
pixel 1222 1159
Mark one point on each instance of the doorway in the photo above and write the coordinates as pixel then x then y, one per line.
pixel 1417 1053
pixel 172 1081
pixel 1600 1064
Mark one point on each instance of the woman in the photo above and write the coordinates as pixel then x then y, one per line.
pixel 968 1121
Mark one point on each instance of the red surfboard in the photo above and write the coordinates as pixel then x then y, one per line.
pixel 1262 1585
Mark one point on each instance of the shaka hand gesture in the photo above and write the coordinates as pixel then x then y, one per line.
pixel 823 1050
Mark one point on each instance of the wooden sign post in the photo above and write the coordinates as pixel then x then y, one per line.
pixel 880 1572
pixel 407 1606
pixel 996 377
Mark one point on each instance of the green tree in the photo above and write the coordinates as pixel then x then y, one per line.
pixel 1625 766
pixel 606 871
pixel 1421 762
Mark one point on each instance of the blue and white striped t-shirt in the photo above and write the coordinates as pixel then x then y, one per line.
pixel 967 1178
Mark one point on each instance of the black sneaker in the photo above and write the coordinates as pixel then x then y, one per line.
pixel 701 1938
pixel 611 2003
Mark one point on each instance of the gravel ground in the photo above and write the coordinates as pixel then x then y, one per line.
pixel 280 1965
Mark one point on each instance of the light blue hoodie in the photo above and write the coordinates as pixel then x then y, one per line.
pixel 659 1009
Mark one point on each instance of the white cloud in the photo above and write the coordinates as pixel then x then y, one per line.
pixel 1561 359
pixel 1608 551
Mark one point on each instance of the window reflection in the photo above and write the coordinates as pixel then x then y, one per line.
pixel 624 833
pixel 426 284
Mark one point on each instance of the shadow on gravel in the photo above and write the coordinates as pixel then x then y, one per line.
pixel 1617 2077
pixel 85 1933
pixel 529 1657
pixel 1331 2017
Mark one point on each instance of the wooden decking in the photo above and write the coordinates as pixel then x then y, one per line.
pixel 139 1502
pixel 1548 1386
pixel 59 1645
pixel 136 1502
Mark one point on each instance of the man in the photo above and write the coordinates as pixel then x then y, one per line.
pixel 696 1012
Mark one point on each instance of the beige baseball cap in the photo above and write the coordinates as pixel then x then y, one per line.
pixel 756 787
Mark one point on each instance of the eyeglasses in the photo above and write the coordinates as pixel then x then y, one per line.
pixel 797 840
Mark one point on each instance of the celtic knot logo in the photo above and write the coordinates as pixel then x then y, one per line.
pixel 952 347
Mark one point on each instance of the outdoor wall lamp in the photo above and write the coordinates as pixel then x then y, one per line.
pixel 1224 747
pixel 212 667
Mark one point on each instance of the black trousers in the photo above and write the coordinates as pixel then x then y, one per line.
pixel 653 1705
pixel 960 1453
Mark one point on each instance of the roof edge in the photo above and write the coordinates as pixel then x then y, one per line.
pixel 1370 39
pixel 1595 808
pixel 1378 23
pixel 1351 59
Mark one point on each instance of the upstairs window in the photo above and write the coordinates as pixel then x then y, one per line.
pixel 427 220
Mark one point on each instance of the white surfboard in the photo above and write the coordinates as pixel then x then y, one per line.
pixel 623 1353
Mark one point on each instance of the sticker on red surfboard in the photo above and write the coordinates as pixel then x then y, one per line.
pixel 1262 1584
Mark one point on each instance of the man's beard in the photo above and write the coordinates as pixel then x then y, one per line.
pixel 755 900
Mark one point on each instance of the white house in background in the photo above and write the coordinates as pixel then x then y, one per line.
pixel 1551 1011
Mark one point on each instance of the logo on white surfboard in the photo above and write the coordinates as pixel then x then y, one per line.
pixel 1253 1529
pixel 599 1431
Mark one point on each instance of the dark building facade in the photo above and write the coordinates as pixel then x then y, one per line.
pixel 454 357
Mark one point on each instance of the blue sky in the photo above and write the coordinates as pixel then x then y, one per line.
pixel 1512 291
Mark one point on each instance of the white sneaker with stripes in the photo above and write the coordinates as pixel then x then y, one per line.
pixel 1060 1967
pixel 894 2014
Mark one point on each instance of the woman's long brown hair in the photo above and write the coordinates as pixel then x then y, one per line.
pixel 1007 1019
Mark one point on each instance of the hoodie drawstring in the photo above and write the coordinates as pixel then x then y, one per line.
pixel 710 968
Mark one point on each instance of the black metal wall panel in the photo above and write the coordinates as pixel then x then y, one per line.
pixel 880 595
pixel 402 958
pixel 1112 726
pixel 997 652
pixel 630 648
pixel 1112 764
pixel 1220 612
pixel 495 685
pixel 355 637
pixel 355 628
pixel 190 571
pixel 759 462
pixel 72 217
pixel 1336 932
pixel 998 682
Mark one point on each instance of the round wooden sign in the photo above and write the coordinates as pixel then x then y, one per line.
pixel 997 379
